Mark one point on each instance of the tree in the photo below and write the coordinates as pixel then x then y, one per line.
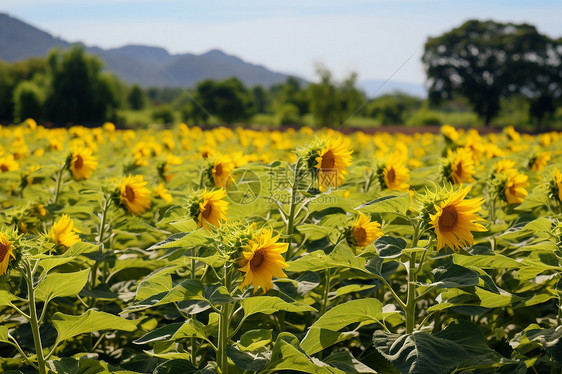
pixel 393 109
pixel 27 101
pixel 79 92
pixel 136 98
pixel 487 61
pixel 229 99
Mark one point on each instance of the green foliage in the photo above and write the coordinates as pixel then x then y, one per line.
pixel 393 109
pixel 136 98
pixel 163 114
pixel 28 101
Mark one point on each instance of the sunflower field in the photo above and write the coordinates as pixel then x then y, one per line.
pixel 240 251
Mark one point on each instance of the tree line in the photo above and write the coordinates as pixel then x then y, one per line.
pixel 482 67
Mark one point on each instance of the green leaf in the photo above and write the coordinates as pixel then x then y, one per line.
pixel 345 361
pixel 61 285
pixel 362 310
pixel 176 366
pixel 183 240
pixel 270 305
pixel 6 298
pixel 419 353
pixel 4 334
pixel 69 326
pixel 494 261
pixel 550 339
pixel 318 339
pixel 254 339
pixel 156 282
pixel 160 334
pixel 387 204
pixel 341 257
pixel 189 289
pixel 191 327
pixel 389 246
pixel 453 276
pixel 246 360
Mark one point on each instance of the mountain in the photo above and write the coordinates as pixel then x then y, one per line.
pixel 144 65
pixel 374 88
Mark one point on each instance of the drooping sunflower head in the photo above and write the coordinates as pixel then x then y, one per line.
pixel 6 253
pixel 538 161
pixel 63 232
pixel 163 193
pixel 220 170
pixel 393 174
pixel 261 260
pixel 514 188
pixel 459 166
pixel 208 208
pixel 332 160
pixel 455 218
pixel 134 195
pixel 81 163
pixel 364 231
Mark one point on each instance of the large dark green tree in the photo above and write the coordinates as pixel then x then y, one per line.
pixel 79 92
pixel 227 100
pixel 487 61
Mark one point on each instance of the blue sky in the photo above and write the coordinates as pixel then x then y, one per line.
pixel 373 38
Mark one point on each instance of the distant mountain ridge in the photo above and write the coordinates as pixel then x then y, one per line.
pixel 155 66
pixel 144 65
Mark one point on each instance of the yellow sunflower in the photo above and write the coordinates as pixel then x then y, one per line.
pixel 506 167
pixel 134 194
pixel 6 251
pixel 222 166
pixel 82 163
pixel 163 193
pixel 364 231
pixel 462 166
pixel 455 218
pixel 64 233
pixel 515 191
pixel 262 260
pixel 332 162
pixel 212 208
pixel 396 175
pixel 540 161
pixel 8 163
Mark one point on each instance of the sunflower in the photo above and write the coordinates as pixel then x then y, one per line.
pixel 82 163
pixel 222 166
pixel 134 195
pixel 163 193
pixel 540 161
pixel 515 191
pixel 449 132
pixel 395 175
pixel 364 231
pixel 64 233
pixel 462 166
pixel 6 251
pixel 212 208
pixel 332 162
pixel 8 163
pixel 261 261
pixel 506 167
pixel 455 218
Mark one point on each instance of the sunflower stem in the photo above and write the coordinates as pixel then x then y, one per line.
pixel 28 275
pixel 293 205
pixel 58 183
pixel 412 277
pixel 193 339
pixel 224 322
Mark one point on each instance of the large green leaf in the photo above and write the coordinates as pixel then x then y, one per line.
pixel 6 298
pixel 452 276
pixel 317 339
pixel 189 289
pixel 389 246
pixel 69 326
pixel 387 204
pixel 341 257
pixel 156 282
pixel 3 334
pixel 270 305
pixel 61 285
pixel 362 310
pixel 550 339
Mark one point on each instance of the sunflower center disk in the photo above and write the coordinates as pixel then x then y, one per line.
pixel 391 175
pixel 129 193
pixel 207 211
pixel 449 219
pixel 218 169
pixel 3 168
pixel 360 235
pixel 257 260
pixel 328 160
pixel 79 162
pixel 3 251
